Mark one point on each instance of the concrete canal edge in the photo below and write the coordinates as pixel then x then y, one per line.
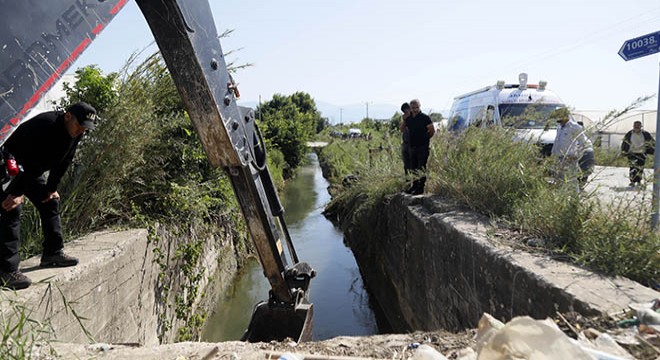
pixel 430 266
pixel 127 289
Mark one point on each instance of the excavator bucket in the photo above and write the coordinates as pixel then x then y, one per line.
pixel 278 323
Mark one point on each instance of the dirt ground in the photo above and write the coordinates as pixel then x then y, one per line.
pixel 392 347
pixel 396 346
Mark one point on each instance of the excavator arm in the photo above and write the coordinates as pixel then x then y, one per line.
pixel 36 53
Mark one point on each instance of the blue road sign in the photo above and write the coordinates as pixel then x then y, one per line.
pixel 640 46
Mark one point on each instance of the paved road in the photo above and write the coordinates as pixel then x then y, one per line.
pixel 611 184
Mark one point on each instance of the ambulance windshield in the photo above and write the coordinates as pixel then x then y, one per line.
pixel 528 116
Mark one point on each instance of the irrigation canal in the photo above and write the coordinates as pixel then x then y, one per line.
pixel 341 304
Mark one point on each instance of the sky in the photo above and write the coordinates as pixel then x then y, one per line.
pixel 348 52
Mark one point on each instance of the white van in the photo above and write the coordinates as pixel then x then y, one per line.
pixel 524 107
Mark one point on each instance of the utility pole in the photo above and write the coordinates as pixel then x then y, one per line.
pixel 367 104
pixel 341 118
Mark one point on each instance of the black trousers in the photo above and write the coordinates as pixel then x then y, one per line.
pixel 636 162
pixel 419 155
pixel 405 156
pixel 10 225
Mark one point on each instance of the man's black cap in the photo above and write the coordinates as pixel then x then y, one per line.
pixel 85 114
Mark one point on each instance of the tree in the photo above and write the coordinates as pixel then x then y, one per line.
pixel 395 120
pixel 321 124
pixel 289 122
pixel 92 87
pixel 436 117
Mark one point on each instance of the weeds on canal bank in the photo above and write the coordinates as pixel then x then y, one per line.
pixel 487 172
pixel 365 171
pixel 19 332
pixel 24 334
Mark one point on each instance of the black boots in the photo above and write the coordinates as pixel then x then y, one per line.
pixel 59 259
pixel 14 280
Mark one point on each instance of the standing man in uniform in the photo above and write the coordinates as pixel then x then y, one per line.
pixel 636 144
pixel 45 143
pixel 571 143
pixel 420 129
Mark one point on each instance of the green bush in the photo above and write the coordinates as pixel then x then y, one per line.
pixel 353 156
pixel 142 164
pixel 614 157
pixel 487 171
pixel 618 239
pixel 290 122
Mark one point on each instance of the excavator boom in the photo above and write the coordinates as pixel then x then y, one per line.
pixel 34 54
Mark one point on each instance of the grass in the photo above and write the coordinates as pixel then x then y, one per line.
pixel 23 335
pixel 19 332
pixel 487 172
pixel 144 165
pixel 613 157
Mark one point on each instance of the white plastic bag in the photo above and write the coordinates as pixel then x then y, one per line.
pixel 525 338
pixel 425 352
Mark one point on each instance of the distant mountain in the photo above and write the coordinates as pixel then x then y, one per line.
pixel 353 113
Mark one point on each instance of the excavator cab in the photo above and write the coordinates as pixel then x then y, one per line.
pixel 40 40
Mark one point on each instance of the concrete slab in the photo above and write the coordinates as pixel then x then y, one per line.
pixel 113 284
pixel 611 185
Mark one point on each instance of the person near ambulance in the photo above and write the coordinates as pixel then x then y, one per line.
pixel 43 144
pixel 637 143
pixel 570 145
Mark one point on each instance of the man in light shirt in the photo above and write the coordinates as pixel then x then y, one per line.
pixel 636 144
pixel 571 143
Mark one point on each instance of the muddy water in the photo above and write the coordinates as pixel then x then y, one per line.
pixel 341 304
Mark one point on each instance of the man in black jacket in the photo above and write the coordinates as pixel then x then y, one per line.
pixel 421 129
pixel 45 143
pixel 637 143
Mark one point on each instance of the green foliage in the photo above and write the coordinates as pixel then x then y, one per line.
pixel 368 171
pixel 609 157
pixel 290 122
pixel 321 124
pixel 144 165
pixel 556 215
pixel 276 165
pixel 19 332
pixel 144 161
pixel 436 117
pixel 487 171
pixel 342 157
pixel 614 157
pixel 618 239
pixel 368 123
pixel 93 87
pixel 395 121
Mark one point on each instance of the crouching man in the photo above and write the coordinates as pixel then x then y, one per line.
pixel 44 143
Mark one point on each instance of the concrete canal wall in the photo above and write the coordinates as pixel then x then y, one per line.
pixel 129 287
pixel 430 266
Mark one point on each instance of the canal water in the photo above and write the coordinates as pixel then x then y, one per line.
pixel 341 304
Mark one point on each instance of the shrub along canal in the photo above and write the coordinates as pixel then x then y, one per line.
pixel 341 303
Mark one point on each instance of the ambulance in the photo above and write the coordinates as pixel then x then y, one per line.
pixel 523 107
